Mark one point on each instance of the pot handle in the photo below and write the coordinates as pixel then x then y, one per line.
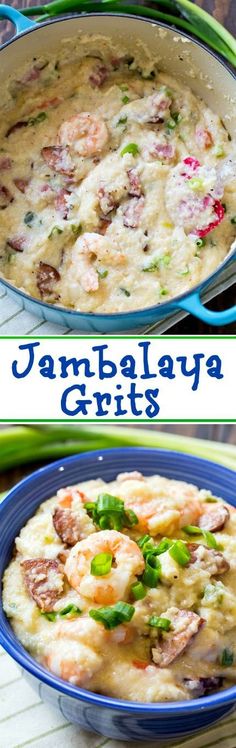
pixel 20 22
pixel 194 305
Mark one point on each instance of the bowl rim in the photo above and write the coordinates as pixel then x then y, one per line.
pixel 164 305
pixel 23 658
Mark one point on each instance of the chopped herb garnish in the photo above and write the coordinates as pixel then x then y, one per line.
pixel 185 271
pixel 29 218
pixel 102 273
pixel 138 590
pixel 109 513
pixel 192 530
pixel 121 121
pixel 130 148
pixel 207 535
pixel 125 99
pixel 227 657
pixel 70 611
pixel 152 572
pixel 125 291
pixel 171 124
pixel 152 266
pixel 36 120
pixel 76 229
pixel 180 553
pixel 233 220
pixel 196 184
pixel 113 615
pixel 160 622
pixel 200 242
pixel 164 291
pixel 55 230
pixel 50 616
pixel 124 87
pixel 210 539
pixel 101 564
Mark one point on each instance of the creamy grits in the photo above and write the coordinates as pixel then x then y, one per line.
pixel 128 588
pixel 117 184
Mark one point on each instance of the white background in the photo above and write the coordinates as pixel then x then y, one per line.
pixel 36 397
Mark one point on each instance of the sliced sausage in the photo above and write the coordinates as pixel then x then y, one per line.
pixel 67 525
pixel 98 76
pixel 5 197
pixel 17 242
pixel 133 212
pixel 135 187
pixel 163 151
pixel 209 559
pixel 15 127
pixel 57 157
pixel 44 581
pixel 21 184
pixel 215 518
pixel 185 624
pixel 198 687
pixel 61 202
pixel 5 163
pixel 46 277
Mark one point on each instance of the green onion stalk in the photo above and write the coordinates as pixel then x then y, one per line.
pixel 20 445
pixel 182 14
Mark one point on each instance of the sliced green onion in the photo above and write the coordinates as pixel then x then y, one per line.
pixel 152 572
pixel 108 503
pixel 50 616
pixel 130 148
pixel 200 242
pixel 227 657
pixel 125 291
pixel 125 99
pixel 171 124
pixel 102 274
pixel 138 590
pixel 146 544
pixel 163 546
pixel 160 622
pixel 90 506
pixel 29 218
pixel 70 611
pixel 180 553
pixel 210 539
pixel 55 230
pixel 76 229
pixel 113 615
pixel 192 530
pixel 233 220
pixel 121 121
pixel 196 183
pixel 130 518
pixel 39 118
pixel 104 522
pixel 101 564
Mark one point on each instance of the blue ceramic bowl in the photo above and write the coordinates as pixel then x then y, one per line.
pixel 122 720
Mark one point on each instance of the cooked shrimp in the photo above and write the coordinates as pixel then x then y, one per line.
pixel 75 653
pixel 113 586
pixel 78 648
pixel 87 248
pixel 156 515
pixel 85 133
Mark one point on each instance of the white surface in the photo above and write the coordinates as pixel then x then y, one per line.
pixel 26 721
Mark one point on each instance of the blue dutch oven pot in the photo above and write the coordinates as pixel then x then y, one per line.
pixel 33 39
